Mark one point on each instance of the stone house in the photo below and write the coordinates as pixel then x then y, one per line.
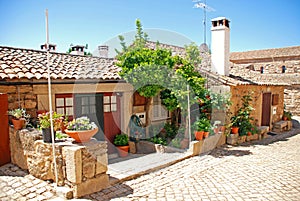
pixel 273 66
pixel 81 86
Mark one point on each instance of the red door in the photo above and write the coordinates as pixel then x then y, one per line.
pixel 112 120
pixel 4 132
pixel 266 109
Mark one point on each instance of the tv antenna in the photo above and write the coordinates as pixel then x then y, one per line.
pixel 206 8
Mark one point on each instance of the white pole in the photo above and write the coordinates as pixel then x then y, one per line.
pixel 50 100
pixel 189 114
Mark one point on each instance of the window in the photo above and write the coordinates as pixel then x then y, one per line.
pixel 110 103
pixel 64 104
pixel 283 69
pixel 275 99
pixel 138 100
pixel 262 70
pixel 159 111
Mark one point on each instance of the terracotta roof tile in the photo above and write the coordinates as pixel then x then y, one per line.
pixel 31 64
pixel 266 53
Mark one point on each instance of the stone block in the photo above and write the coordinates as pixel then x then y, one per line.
pixel 145 147
pixel 88 169
pixel 101 164
pixel 210 143
pixel 232 139
pixel 8 89
pixel 132 147
pixel 195 147
pixel 30 104
pixel 73 164
pixel 91 185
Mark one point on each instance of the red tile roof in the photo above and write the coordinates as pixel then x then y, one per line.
pixel 266 53
pixel 32 64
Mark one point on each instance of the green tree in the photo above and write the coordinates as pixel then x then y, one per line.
pixel 154 71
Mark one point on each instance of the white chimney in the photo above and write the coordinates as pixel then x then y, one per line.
pixel 220 45
pixel 103 51
pixel 77 50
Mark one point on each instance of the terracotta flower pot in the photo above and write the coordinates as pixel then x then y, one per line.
pixel 18 123
pixel 235 130
pixel 206 134
pixel 81 136
pixel 123 150
pixel 199 135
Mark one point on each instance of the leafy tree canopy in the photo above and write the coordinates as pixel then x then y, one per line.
pixel 151 71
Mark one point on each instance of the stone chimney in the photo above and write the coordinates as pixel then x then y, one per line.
pixel 77 50
pixel 103 51
pixel 220 45
pixel 52 48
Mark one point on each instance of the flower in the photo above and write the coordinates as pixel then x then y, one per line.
pixel 44 120
pixel 81 123
pixel 19 113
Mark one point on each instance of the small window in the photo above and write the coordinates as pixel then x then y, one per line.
pixel 159 112
pixel 283 69
pixel 138 100
pixel 110 103
pixel 262 70
pixel 64 105
pixel 275 99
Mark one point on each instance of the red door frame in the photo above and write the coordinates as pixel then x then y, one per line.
pixel 4 131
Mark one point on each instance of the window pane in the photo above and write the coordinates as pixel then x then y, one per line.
pixel 59 102
pixel 85 109
pixel 113 99
pixel 69 111
pixel 69 101
pixel 106 108
pixel 85 100
pixel 92 100
pixel 155 111
pixel 164 112
pixel 60 110
pixel 92 109
pixel 106 99
pixel 113 107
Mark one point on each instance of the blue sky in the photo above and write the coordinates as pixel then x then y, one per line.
pixel 256 24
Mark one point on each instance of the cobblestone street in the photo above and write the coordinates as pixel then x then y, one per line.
pixel 265 170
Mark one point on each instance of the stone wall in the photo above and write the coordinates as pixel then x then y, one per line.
pixel 21 96
pixel 273 72
pixel 292 99
pixel 81 167
pixel 238 92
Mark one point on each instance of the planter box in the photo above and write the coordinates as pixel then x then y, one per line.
pixel 232 139
pixel 242 139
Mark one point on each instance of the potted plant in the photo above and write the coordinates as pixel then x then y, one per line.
pixel 201 126
pixel 287 115
pixel 19 117
pixel 45 124
pixel 235 124
pixel 81 129
pixel 121 141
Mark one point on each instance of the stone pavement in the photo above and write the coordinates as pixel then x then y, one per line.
pixel 264 170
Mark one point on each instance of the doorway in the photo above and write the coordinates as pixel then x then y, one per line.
pixel 4 131
pixel 266 109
